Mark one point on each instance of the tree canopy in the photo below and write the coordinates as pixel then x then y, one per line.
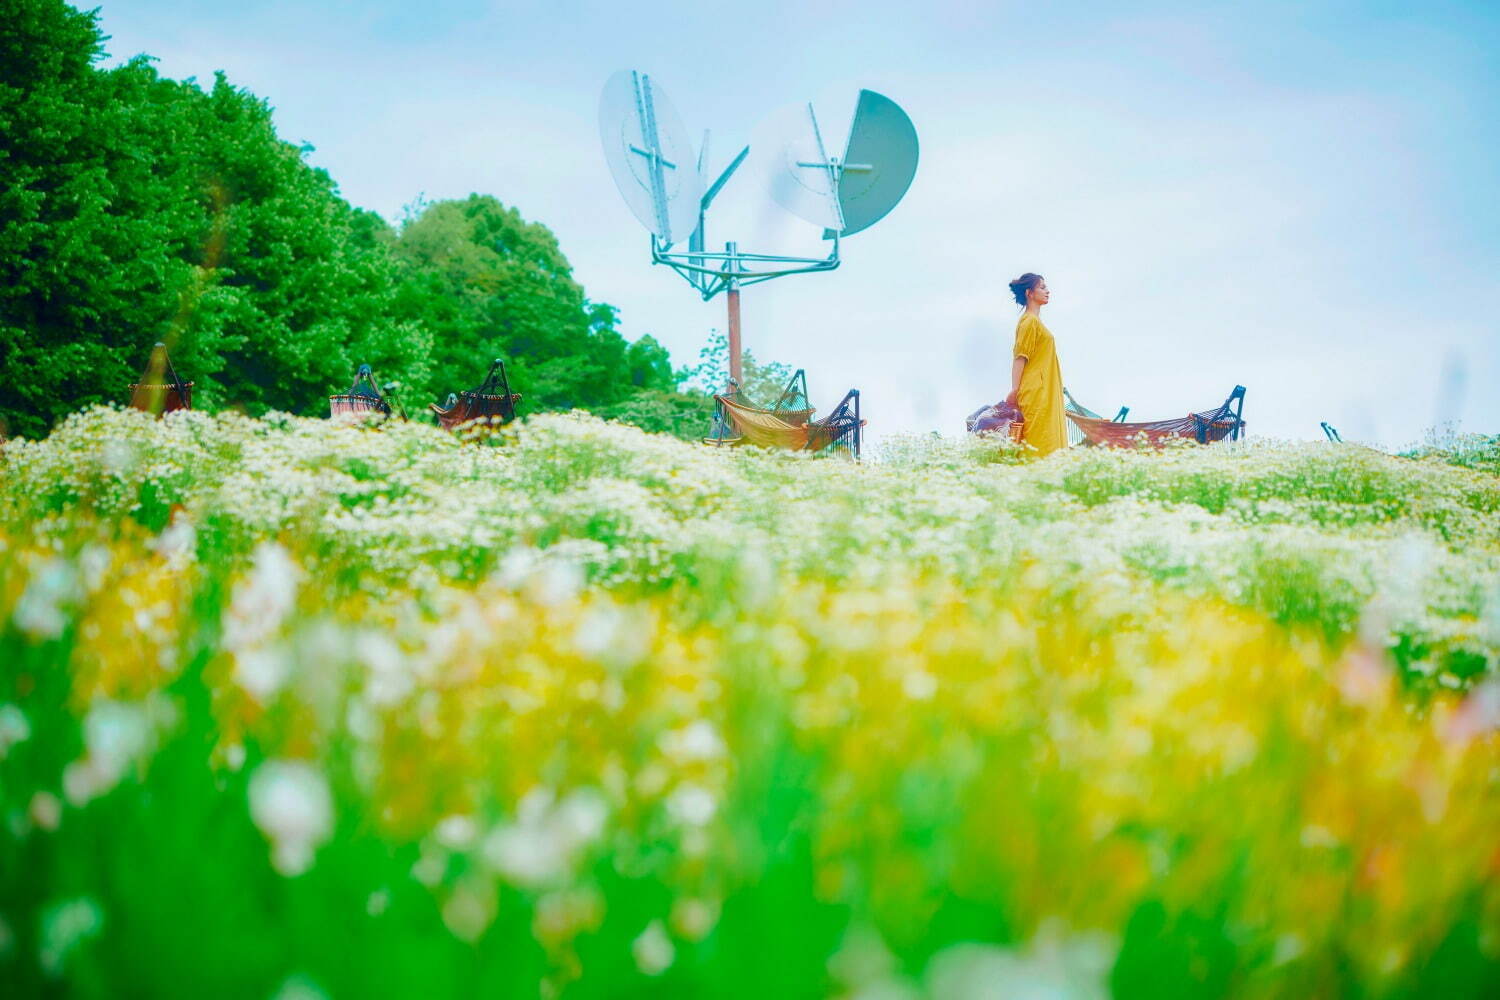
pixel 761 382
pixel 136 208
pixel 487 283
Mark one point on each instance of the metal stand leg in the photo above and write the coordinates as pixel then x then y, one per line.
pixel 732 297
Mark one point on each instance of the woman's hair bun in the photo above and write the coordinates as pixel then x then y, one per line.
pixel 1022 285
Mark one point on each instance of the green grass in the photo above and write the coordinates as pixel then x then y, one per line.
pixel 293 709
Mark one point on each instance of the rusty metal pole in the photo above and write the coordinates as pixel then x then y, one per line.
pixel 733 299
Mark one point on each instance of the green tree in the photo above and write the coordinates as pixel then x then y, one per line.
pixel 52 189
pixel 490 284
pixel 135 209
pixel 761 382
pixel 650 365
pixel 687 415
pixel 682 404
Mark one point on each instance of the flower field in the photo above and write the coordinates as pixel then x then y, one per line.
pixel 297 710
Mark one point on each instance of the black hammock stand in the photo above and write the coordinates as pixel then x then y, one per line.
pixel 843 429
pixel 155 396
pixel 365 400
pixel 490 403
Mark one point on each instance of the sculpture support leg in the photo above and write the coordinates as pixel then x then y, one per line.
pixel 733 298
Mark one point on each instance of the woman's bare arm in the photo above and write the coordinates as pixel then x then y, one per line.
pixel 1016 368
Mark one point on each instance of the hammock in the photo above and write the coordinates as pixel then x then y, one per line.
pixel 490 403
pixel 791 408
pixel 788 424
pixel 762 427
pixel 1225 421
pixel 153 395
pixel 364 400
pixel 1075 436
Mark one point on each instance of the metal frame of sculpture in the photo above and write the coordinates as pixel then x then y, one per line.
pixel 650 159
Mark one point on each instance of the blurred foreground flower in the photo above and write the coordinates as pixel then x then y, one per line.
pixel 299 987
pixel 261 602
pixel 43 610
pixel 66 926
pixel 116 736
pixel 14 728
pixel 290 802
pixel 653 950
pixel 542 844
pixel 1054 966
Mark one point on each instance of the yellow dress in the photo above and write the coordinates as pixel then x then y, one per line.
pixel 1040 397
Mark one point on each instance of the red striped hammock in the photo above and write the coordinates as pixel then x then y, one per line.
pixel 1224 421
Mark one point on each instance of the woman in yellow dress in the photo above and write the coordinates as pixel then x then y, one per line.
pixel 1035 378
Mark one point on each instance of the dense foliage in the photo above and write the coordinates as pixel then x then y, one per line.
pixel 139 209
pixel 761 382
pixel 296 709
pixel 135 208
pixel 1470 451
pixel 489 284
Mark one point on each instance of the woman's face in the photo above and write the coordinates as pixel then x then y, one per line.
pixel 1039 293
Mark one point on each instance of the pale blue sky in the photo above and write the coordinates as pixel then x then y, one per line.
pixel 1298 197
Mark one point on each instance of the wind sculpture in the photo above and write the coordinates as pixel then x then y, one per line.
pixel 665 186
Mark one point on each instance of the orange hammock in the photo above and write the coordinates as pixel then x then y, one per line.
pixel 1210 425
pixel 793 430
pixel 788 429
pixel 789 423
